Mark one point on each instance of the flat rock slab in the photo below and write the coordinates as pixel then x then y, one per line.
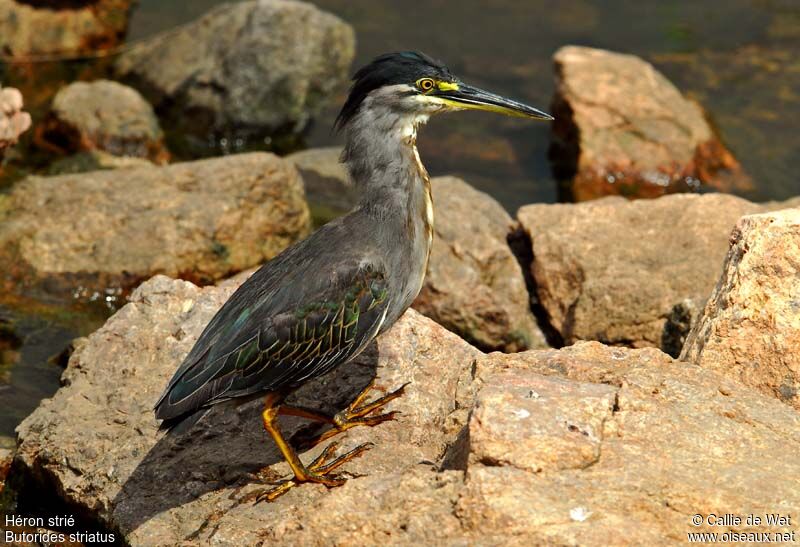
pixel 201 220
pixel 750 329
pixel 103 115
pixel 245 70
pixel 622 128
pixel 615 270
pixel 97 439
pixel 503 431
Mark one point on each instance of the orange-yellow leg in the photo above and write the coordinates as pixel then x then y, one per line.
pixel 319 470
pixel 359 414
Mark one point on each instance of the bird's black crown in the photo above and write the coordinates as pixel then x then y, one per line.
pixel 405 67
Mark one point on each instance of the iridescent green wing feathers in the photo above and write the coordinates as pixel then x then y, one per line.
pixel 313 339
pixel 248 349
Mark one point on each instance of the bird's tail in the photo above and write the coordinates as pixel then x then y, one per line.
pixel 183 423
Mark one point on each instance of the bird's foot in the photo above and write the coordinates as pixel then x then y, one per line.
pixel 358 413
pixel 319 471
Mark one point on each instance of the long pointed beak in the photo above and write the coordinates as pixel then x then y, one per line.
pixel 466 97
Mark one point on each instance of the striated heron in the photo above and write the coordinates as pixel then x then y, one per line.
pixel 320 302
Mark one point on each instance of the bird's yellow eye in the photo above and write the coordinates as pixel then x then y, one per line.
pixel 425 84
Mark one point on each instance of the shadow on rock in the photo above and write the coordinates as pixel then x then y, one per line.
pixel 228 446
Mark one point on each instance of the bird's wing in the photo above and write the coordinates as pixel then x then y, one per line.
pixel 266 341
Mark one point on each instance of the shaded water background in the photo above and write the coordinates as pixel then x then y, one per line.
pixel 740 59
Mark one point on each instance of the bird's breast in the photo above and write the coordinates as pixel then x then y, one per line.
pixel 422 218
pixel 426 197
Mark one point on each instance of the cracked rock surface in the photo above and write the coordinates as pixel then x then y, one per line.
pixel 750 329
pixel 631 444
pixel 615 270
pixel 587 444
pixel 504 431
pixel 622 128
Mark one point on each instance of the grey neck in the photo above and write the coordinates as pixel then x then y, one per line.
pixel 381 158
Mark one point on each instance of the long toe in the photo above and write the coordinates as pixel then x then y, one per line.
pixel 359 414
pixel 271 494
pixel 325 468
pixel 355 411
pixel 320 471
pixel 369 421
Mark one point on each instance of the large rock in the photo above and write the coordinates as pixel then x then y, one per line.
pixel 245 70
pixel 584 445
pixel 103 115
pixel 751 326
pixel 13 121
pixel 475 286
pixel 200 220
pixel 592 445
pixel 623 129
pixel 57 27
pixel 615 270
pixel 96 439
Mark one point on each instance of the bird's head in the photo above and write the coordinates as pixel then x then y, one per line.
pixel 410 86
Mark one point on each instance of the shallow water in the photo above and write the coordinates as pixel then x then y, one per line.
pixel 741 61
pixel 34 342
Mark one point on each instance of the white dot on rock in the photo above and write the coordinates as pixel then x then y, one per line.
pixel 521 413
pixel 579 514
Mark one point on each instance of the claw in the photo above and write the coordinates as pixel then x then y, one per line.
pixel 318 471
pixel 343 459
pixel 357 414
pixel 356 411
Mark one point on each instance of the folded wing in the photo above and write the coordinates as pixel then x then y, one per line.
pixel 258 342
